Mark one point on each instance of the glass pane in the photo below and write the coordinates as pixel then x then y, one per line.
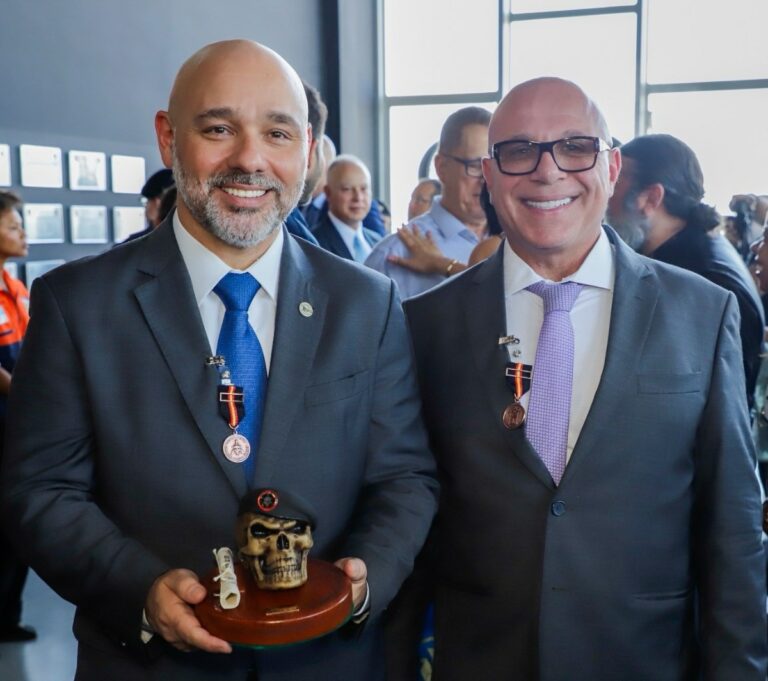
pixel 692 41
pixel 560 5
pixel 731 153
pixel 412 130
pixel 441 47
pixel 568 48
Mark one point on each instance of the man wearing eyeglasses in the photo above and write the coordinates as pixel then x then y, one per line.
pixel 600 514
pixel 456 222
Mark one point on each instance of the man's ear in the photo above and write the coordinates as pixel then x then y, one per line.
pixel 439 162
pixel 164 131
pixel 313 157
pixel 651 198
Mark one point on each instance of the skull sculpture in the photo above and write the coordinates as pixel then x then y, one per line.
pixel 274 547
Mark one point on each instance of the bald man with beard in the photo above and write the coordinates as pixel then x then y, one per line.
pixel 115 484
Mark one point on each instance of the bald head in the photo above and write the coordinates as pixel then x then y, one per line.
pixel 551 196
pixel 241 57
pixel 548 95
pixel 237 137
pixel 348 189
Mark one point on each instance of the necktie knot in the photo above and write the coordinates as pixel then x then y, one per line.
pixel 556 297
pixel 237 290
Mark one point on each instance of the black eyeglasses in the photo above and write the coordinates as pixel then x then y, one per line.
pixel 472 166
pixel 570 154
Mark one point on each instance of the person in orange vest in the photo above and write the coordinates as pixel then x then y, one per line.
pixel 14 316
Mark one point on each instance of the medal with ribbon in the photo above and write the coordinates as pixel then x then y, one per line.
pixel 518 377
pixel 231 400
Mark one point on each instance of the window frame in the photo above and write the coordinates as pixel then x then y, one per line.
pixel 643 89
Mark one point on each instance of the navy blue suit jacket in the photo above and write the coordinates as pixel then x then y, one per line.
pixel 329 238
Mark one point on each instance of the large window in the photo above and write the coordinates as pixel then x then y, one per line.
pixel 697 70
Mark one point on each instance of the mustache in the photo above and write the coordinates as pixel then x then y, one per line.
pixel 255 180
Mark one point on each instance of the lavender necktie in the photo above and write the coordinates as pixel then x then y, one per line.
pixel 549 406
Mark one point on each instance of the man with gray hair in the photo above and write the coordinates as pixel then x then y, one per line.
pixel 348 191
pixel 456 222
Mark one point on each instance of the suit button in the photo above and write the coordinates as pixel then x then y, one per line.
pixel 558 508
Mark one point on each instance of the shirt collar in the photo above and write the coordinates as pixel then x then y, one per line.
pixel 206 269
pixel 343 227
pixel 597 270
pixel 448 224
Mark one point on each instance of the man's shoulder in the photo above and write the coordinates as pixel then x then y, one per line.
pixel 448 297
pixel 674 278
pixel 100 270
pixel 349 277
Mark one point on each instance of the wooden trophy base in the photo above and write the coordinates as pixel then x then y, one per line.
pixel 276 618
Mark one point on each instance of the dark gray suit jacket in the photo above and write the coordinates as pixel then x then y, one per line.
pixel 657 514
pixel 114 471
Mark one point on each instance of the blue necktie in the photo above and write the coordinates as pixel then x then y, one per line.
pixel 359 253
pixel 242 353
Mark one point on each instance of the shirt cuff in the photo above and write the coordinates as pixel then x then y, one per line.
pixel 359 614
pixel 147 632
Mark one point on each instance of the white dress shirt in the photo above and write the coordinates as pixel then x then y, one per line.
pixel 591 316
pixel 351 234
pixel 206 270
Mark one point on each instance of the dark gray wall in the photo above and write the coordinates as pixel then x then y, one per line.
pixel 90 74
pixel 358 81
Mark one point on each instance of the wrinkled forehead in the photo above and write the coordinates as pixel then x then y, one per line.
pixel 545 112
pixel 348 173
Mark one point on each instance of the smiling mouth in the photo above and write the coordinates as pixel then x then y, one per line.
pixel 244 193
pixel 548 205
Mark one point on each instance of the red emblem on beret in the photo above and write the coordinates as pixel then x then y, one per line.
pixel 267 501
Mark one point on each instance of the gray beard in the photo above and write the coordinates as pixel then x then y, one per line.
pixel 632 226
pixel 240 228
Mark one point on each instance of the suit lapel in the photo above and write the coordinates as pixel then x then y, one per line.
pixel 169 308
pixel 297 333
pixel 635 295
pixel 485 315
pixel 335 243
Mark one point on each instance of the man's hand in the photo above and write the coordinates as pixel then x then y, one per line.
pixel 424 255
pixel 355 569
pixel 170 615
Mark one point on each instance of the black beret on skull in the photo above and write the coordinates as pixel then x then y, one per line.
pixel 277 504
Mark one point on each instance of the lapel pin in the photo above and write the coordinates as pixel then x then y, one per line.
pixel 306 309
pixel 507 340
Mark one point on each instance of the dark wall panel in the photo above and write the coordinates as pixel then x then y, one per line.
pixel 90 74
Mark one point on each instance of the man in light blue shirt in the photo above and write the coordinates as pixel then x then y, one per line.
pixel 456 222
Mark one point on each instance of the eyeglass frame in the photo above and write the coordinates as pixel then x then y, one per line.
pixel 600 146
pixel 466 162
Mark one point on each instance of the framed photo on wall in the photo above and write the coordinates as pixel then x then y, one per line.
pixel 126 220
pixel 5 165
pixel 44 223
pixel 36 268
pixel 88 224
pixel 87 171
pixel 129 173
pixel 40 166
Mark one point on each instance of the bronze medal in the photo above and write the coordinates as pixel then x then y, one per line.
pixel 236 448
pixel 513 416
